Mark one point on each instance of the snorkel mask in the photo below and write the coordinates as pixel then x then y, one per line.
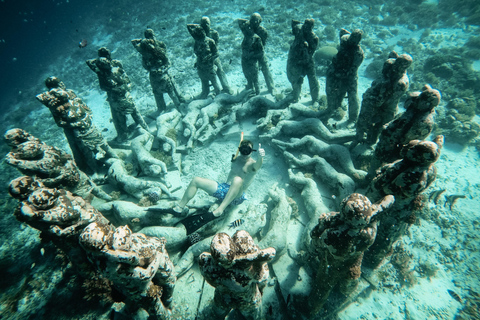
pixel 245 149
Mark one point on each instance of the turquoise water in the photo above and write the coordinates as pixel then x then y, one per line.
pixel 41 40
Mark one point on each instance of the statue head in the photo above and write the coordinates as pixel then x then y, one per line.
pixel 222 249
pixel 105 53
pixel 255 20
pixel 54 82
pixel 205 23
pixel 149 34
pixel 21 188
pixel 356 210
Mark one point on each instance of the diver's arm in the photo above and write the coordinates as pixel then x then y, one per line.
pixel 258 164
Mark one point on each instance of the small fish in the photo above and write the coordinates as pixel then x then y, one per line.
pixel 454 295
pixel 451 199
pixel 435 195
pixel 82 44
pixel 236 223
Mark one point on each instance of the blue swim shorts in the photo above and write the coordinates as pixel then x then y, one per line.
pixel 222 190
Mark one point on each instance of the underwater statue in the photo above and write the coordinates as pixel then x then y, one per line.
pixel 252 51
pixel 380 101
pixel 342 76
pixel 115 82
pixel 206 51
pixel 137 265
pixel 416 123
pixel 339 241
pixel 90 149
pixel 405 179
pixel 58 214
pixel 300 61
pixel 213 34
pixel 156 62
pixel 259 30
pixel 51 166
pixel 238 270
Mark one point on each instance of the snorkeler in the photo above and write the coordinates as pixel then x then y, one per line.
pixel 241 175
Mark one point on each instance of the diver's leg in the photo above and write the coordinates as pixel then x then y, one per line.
pixel 232 194
pixel 207 185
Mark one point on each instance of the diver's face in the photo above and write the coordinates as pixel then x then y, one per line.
pixel 246 150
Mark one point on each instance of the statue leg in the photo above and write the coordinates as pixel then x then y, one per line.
pixel 266 73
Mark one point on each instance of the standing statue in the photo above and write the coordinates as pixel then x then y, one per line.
pixel 255 21
pixel 89 147
pixel 213 34
pixel 206 51
pixel 252 51
pixel 156 62
pixel 416 123
pixel 137 265
pixel 380 101
pixel 342 76
pixel 238 270
pixel 115 82
pixel 405 179
pixel 340 240
pixel 300 61
pixel 58 214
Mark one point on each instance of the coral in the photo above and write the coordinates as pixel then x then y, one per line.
pixel 401 261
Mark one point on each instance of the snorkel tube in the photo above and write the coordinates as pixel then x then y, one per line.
pixel 238 149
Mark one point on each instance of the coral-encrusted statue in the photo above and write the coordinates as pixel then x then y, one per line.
pixel 342 75
pixel 137 265
pixel 57 213
pixel 115 82
pixel 206 51
pixel 416 123
pixel 156 62
pixel 89 148
pixel 405 179
pixel 53 167
pixel 340 240
pixel 300 61
pixel 238 270
pixel 380 101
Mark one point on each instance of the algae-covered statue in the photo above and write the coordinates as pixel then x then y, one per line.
pixel 252 52
pixel 405 179
pixel 115 82
pixel 238 270
pixel 206 51
pixel 300 61
pixel 342 75
pixel 213 34
pixel 137 265
pixel 416 123
pixel 156 62
pixel 380 101
pixel 89 147
pixel 340 240
pixel 255 23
